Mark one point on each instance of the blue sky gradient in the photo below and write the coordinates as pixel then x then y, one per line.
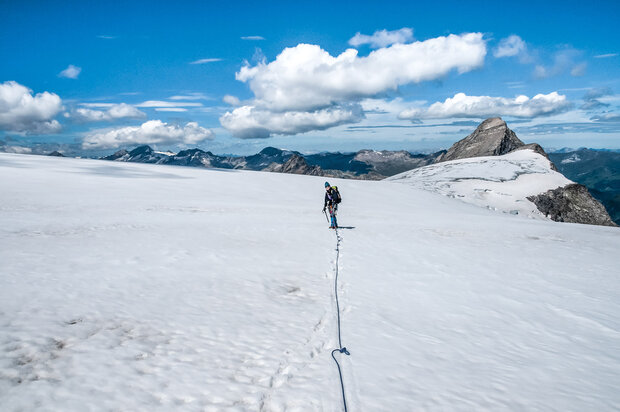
pixel 135 52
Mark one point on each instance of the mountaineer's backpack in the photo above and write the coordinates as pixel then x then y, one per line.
pixel 336 195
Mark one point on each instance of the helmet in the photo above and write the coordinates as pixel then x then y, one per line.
pixel 327 184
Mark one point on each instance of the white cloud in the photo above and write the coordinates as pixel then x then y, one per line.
pixel 462 105
pixel 306 82
pixel 607 117
pixel 22 112
pixel 510 46
pixel 203 61
pixel 252 38
pixel 163 103
pixel 232 100
pixel 190 96
pixel 170 109
pixel 16 149
pixel 114 112
pixel 382 38
pixel 71 72
pixel 307 77
pixel 252 122
pixel 605 56
pixel 151 132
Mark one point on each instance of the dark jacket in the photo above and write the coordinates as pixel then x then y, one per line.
pixel 330 198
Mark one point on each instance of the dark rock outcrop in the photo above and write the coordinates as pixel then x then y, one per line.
pixel 296 165
pixel 56 153
pixel 491 138
pixel 572 203
pixel 598 170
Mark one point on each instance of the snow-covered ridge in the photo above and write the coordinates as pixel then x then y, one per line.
pixel 500 183
pixel 127 286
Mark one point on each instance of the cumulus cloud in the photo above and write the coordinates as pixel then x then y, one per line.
pixel 232 100
pixel 71 72
pixel 382 38
pixel 151 132
pixel 22 112
pixel 306 82
pixel 462 105
pixel 307 77
pixel 114 112
pixel 252 122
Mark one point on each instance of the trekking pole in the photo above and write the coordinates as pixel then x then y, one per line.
pixel 325 213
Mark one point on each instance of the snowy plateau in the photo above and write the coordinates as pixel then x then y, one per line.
pixel 144 287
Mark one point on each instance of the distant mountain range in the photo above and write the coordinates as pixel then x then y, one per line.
pixel 365 164
pixel 598 171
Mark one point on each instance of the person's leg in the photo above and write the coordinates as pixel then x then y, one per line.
pixel 335 213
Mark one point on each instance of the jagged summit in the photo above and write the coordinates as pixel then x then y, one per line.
pixel 491 138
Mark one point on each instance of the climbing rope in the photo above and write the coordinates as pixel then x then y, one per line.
pixel 340 348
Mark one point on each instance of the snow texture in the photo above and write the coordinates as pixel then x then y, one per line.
pixel 500 183
pixel 148 287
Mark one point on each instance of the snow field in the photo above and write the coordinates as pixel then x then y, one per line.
pixel 144 287
pixel 500 183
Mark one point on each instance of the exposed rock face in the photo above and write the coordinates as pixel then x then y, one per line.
pixel 491 138
pixel 121 155
pixel 296 165
pixel 572 203
pixel 56 153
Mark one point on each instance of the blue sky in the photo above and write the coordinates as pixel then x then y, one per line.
pixel 92 77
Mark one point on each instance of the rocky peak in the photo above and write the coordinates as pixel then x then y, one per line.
pixel 141 150
pixel 119 155
pixel 296 164
pixel 491 138
pixel 56 153
pixel 271 151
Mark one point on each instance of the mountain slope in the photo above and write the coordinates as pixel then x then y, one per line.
pixel 500 183
pixel 143 287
